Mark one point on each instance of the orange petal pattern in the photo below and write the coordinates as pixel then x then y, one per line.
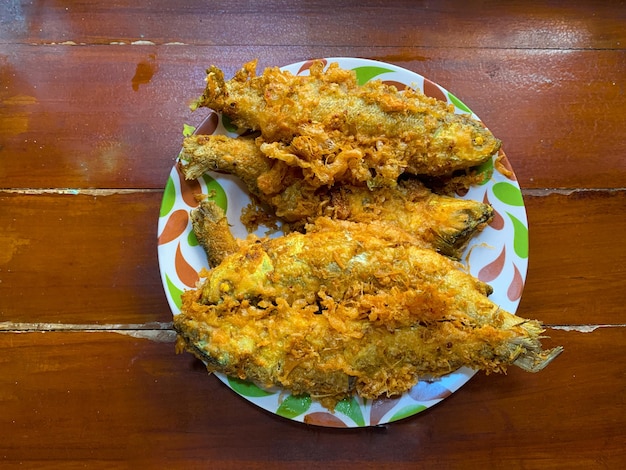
pixel 432 90
pixel 185 272
pixel 188 189
pixel 174 227
pixel 493 269
pixel 321 418
pixel 514 291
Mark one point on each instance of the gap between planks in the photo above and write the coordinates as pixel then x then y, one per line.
pixel 163 332
pixel 78 191
pixel 567 191
pixel 112 191
pixel 155 331
pixel 147 42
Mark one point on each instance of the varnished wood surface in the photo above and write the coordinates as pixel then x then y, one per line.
pixel 85 258
pixel 129 401
pixel 559 113
pixel 93 97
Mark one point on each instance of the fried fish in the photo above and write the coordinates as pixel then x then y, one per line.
pixel 345 309
pixel 360 299
pixel 336 130
pixel 445 223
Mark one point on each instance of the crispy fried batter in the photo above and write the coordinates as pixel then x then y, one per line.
pixel 337 131
pixel 363 302
pixel 445 223
pixel 345 309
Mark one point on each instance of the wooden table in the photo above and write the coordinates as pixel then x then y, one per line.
pixel 93 96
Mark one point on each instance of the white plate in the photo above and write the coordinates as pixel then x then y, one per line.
pixel 498 255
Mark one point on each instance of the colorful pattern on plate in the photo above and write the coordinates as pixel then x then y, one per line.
pixel 499 256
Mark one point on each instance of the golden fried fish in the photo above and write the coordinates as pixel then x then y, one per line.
pixel 444 223
pixel 338 131
pixel 346 309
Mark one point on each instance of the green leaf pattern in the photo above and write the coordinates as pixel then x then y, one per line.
pixel 352 409
pixel 458 103
pixel 293 406
pixel 367 73
pixel 407 411
pixel 520 240
pixel 174 292
pixel 247 389
pixel 508 193
pixel 169 198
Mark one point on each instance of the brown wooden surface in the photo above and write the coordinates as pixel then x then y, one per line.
pixel 93 97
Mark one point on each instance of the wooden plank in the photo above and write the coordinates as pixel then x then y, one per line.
pixel 93 96
pixel 62 124
pixel 80 258
pixel 103 250
pixel 101 399
pixel 577 260
pixel 515 24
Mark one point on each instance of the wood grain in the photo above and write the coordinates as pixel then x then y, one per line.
pixel 577 260
pixel 89 258
pixel 515 24
pixel 112 116
pixel 93 97
pixel 80 258
pixel 105 399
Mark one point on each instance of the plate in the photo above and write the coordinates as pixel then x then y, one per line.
pixel 498 256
